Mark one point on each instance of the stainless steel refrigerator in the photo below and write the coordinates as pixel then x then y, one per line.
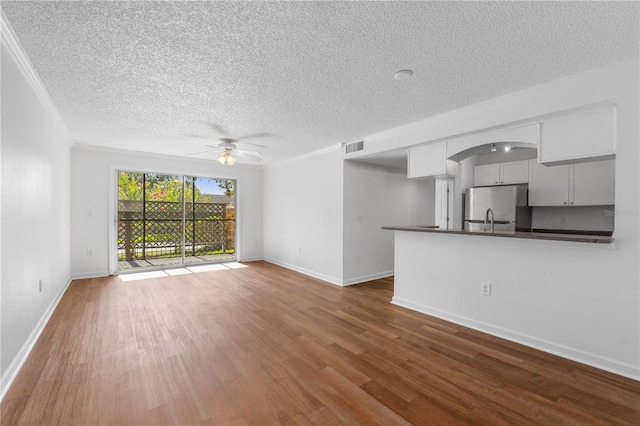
pixel 506 205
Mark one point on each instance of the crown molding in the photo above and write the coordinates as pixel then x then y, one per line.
pixel 129 152
pixel 16 51
pixel 522 96
pixel 311 154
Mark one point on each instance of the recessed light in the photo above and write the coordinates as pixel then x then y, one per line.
pixel 403 74
pixel 507 148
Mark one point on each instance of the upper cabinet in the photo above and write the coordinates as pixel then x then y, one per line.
pixel 512 172
pixel 594 183
pixel 581 184
pixel 582 136
pixel 431 160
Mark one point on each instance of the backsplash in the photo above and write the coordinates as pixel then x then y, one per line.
pixel 588 218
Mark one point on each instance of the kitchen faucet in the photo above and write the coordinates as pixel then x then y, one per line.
pixel 486 218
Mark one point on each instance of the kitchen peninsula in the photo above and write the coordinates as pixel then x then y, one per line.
pixel 552 236
pixel 524 287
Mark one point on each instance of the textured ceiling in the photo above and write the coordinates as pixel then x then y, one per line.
pixel 149 76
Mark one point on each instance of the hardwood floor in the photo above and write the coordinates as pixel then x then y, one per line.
pixel 265 345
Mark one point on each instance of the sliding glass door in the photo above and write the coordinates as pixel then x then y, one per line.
pixel 170 220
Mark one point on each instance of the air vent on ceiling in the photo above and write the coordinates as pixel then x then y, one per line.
pixel 354 147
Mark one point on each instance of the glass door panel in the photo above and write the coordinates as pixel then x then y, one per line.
pixel 212 221
pixel 169 221
pixel 164 212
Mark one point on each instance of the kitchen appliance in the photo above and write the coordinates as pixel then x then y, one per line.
pixel 499 208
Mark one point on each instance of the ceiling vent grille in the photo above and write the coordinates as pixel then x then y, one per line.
pixel 354 147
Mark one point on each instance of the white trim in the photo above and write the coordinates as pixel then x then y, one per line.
pixel 96 274
pixel 603 363
pixel 304 271
pixel 250 259
pixel 128 152
pixel 14 48
pixel 520 95
pixel 367 278
pixel 441 127
pixel 18 361
pixel 112 218
pixel 305 156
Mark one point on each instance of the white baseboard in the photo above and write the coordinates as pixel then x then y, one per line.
pixel 97 274
pixel 574 354
pixel 309 272
pixel 365 278
pixel 18 361
pixel 251 259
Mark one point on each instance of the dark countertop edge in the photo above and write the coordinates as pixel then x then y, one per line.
pixel 576 238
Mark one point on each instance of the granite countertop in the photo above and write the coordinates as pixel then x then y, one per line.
pixel 554 236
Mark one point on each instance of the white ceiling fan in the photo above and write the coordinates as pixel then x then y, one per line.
pixel 228 146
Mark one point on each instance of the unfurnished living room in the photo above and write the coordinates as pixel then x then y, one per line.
pixel 323 212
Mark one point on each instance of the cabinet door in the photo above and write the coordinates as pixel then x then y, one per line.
pixel 548 185
pixel 593 183
pixel 487 174
pixel 581 135
pixel 514 172
pixel 430 160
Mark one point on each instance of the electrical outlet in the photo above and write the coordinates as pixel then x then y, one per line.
pixel 485 289
pixel 563 220
pixel 89 252
pixel 39 286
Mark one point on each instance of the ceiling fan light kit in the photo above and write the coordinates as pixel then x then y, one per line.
pixel 229 149
pixel 226 159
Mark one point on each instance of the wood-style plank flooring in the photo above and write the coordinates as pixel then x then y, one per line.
pixel 264 345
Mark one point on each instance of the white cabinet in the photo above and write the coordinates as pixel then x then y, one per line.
pixel 582 184
pixel 594 183
pixel 509 173
pixel 581 136
pixel 548 185
pixel 431 160
pixel 486 174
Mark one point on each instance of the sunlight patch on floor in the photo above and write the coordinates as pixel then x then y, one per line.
pixel 178 271
pixel 181 271
pixel 143 275
pixel 207 268
pixel 235 265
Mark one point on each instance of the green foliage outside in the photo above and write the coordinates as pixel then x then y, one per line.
pixel 227 185
pixel 169 189
pixel 166 188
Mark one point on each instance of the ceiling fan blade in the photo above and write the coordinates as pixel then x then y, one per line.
pixel 200 152
pixel 248 154
pixel 257 145
pixel 215 147
pixel 201 137
pixel 219 129
pixel 256 135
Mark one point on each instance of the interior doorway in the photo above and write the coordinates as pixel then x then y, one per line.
pixel 444 203
pixel 169 221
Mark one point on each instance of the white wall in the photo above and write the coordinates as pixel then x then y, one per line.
pixel 93 183
pixel 580 301
pixel 303 207
pixel 543 293
pixel 425 201
pixel 374 196
pixel 35 210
